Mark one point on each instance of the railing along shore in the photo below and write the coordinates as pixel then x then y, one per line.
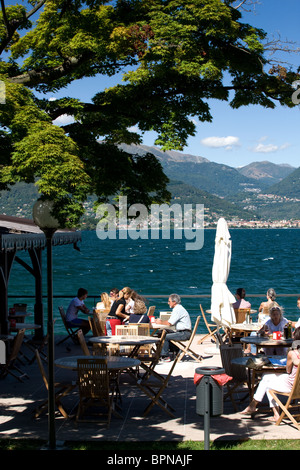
pixel 189 301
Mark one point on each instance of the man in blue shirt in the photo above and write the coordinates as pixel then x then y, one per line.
pixel 179 318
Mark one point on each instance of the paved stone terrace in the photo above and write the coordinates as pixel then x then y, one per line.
pixel 18 401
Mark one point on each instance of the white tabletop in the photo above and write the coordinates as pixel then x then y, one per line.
pixel 113 362
pixel 124 339
pixel 246 326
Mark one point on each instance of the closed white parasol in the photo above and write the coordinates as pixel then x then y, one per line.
pixel 222 311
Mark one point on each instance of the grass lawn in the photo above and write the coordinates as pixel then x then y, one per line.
pixel 31 444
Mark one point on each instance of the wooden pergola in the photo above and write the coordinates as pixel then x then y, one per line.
pixel 18 234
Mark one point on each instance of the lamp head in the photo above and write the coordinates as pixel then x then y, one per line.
pixel 42 215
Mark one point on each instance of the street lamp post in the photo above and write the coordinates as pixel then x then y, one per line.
pixel 48 224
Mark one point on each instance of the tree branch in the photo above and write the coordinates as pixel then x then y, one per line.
pixel 35 9
pixel 12 26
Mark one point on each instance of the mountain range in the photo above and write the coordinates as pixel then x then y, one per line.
pixel 260 190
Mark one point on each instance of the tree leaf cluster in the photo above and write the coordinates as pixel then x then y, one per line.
pixel 174 56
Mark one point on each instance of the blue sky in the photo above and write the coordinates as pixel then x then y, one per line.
pixel 239 137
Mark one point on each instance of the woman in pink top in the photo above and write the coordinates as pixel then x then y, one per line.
pixel 280 382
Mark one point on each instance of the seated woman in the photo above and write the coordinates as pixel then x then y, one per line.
pixel 139 314
pixel 135 308
pixel 271 296
pixel 282 382
pixel 106 302
pixel 276 322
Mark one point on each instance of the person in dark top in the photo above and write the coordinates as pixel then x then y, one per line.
pixel 118 307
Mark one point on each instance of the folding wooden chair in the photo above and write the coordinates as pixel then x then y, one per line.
pixel 238 373
pixel 61 390
pixel 185 346
pixel 40 345
pixel 151 311
pixel 10 366
pixel 143 330
pixel 211 328
pixel 82 343
pixel 240 314
pixel 156 395
pixel 72 332
pixel 149 361
pixel 95 388
pixel 294 395
pixel 102 313
pixel 100 320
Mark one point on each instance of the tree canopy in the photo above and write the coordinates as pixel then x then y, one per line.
pixel 175 56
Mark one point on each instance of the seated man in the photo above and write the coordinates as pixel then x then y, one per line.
pixel 75 305
pixel 181 320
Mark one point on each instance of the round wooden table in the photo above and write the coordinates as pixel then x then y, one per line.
pixel 265 342
pixel 113 362
pixel 125 340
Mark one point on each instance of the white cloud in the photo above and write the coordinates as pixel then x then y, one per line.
pixel 63 120
pixel 219 142
pixel 268 148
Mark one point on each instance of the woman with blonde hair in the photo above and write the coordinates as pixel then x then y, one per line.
pixel 282 382
pixel 106 302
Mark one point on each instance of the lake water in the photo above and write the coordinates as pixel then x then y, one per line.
pixel 260 259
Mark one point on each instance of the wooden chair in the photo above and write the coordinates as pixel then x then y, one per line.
pixel 93 326
pixel 10 366
pixel 102 313
pixel 185 346
pixel 72 332
pixel 82 343
pixel 61 390
pixel 126 330
pixel 155 395
pixel 100 321
pixel 211 328
pixel 143 330
pixel 95 388
pixel 98 348
pixel 151 311
pixel 40 345
pixel 293 396
pixel 240 314
pixel 238 373
pixel 149 362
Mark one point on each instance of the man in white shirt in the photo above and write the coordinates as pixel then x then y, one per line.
pixel 179 318
pixel 75 305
